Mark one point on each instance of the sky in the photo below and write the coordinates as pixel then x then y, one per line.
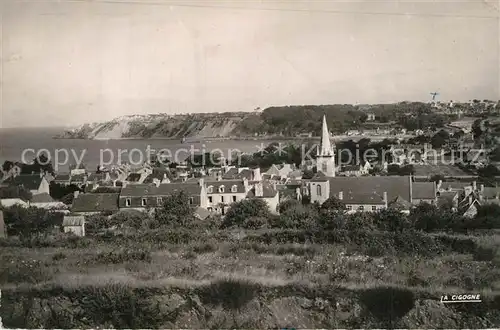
pixel 67 62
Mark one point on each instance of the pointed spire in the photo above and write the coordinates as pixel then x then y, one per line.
pixel 325 148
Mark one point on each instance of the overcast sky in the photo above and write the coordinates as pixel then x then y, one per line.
pixel 70 62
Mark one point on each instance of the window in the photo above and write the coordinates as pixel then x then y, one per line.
pixel 159 201
pixel 374 208
pixel 210 189
pixel 144 201
pixel 234 188
pixel 234 198
pixel 349 207
pixel 191 200
pixel 209 209
pixel 128 202
pixel 324 167
pixel 318 190
pixel 210 199
pixel 361 208
pixel 222 199
pixel 221 189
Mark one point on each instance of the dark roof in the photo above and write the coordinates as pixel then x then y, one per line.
pixel 230 174
pixel 319 177
pixel 78 220
pixel 95 203
pixel 42 198
pixel 62 177
pixel 245 174
pixel 394 186
pixel 97 177
pixel 202 213
pixel 228 184
pixel 158 174
pixel 28 181
pixel 164 189
pixel 424 190
pixel 268 191
pixel 351 168
pixel 447 195
pixel 399 202
pixel 363 198
pixel 133 177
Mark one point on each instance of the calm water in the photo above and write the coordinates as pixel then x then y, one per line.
pixel 13 141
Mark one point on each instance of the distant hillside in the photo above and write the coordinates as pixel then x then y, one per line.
pixel 286 120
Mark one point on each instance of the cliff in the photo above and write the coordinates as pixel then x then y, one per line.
pixel 282 120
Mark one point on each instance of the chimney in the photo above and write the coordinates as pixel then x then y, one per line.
pixel 76 193
pixel 385 197
pixel 256 174
pixel 245 184
pixel 439 184
pixel 201 182
pixel 341 195
pixel 481 187
pixel 259 189
pixel 474 186
pixel 219 176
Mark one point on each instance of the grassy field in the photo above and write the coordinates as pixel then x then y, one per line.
pixel 248 279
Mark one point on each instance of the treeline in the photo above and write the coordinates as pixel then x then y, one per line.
pixel 293 120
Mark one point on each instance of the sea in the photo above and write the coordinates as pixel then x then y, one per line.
pixel 23 144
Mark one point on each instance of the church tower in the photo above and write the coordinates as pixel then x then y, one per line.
pixel 325 158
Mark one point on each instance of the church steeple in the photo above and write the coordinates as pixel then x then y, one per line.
pixel 325 147
pixel 325 160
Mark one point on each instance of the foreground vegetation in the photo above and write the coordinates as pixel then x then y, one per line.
pixel 310 267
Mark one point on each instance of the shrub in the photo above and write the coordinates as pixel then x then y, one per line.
pixel 232 294
pixel 388 304
pixel 485 253
pixel 254 223
pixel 59 256
pixel 240 211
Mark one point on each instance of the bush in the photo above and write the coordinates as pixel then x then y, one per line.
pixel 388 304
pixel 254 223
pixel 485 253
pixel 240 211
pixel 231 294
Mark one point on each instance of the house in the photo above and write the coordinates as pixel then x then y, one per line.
pixel 141 196
pixel 355 170
pixel 98 177
pixel 35 183
pixel 74 224
pixel 95 203
pixel 78 179
pixel 63 179
pixel 268 193
pixel 365 189
pixel 400 204
pixel 45 201
pixel 222 193
pixel 322 187
pixel 9 202
pixel 425 192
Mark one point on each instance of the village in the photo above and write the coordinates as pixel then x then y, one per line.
pixel 446 172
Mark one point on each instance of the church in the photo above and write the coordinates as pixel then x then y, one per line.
pixel 365 193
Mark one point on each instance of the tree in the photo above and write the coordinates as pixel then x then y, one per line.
pixel 26 222
pixel 488 171
pixel 429 217
pixel 175 210
pixel 333 204
pixel 487 217
pixel 440 139
pixel 238 212
pixel 298 217
pixel 391 220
